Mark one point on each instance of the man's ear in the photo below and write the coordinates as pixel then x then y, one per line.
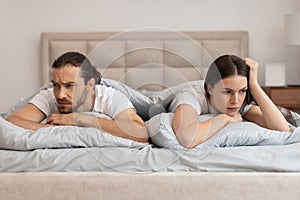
pixel 91 83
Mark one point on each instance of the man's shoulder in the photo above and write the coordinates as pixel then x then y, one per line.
pixel 45 91
pixel 103 90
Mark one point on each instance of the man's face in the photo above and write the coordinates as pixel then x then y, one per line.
pixel 69 88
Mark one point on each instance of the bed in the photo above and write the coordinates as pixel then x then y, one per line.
pixel 242 161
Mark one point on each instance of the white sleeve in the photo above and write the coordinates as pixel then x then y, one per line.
pixel 246 108
pixel 185 97
pixel 111 102
pixel 45 101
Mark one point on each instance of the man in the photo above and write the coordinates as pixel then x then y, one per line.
pixel 76 90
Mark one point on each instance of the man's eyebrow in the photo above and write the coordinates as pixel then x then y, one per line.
pixel 67 83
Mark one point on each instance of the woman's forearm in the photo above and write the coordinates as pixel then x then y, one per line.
pixel 194 134
pixel 273 117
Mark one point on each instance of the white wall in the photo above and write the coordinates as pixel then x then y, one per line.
pixel 23 21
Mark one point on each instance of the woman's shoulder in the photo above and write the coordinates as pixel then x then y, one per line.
pixel 195 88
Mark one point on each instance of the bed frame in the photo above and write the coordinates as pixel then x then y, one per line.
pixel 167 58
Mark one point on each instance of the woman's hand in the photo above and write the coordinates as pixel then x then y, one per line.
pixel 253 65
pixel 236 118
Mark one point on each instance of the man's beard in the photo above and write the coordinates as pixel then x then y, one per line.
pixel 75 106
pixel 81 100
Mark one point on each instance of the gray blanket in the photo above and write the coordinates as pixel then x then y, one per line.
pixel 68 148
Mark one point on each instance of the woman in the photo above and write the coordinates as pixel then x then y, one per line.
pixel 230 86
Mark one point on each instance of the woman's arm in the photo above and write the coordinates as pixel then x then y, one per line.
pixel 190 132
pixel 267 114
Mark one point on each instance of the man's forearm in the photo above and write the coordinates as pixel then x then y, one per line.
pixel 24 123
pixel 125 129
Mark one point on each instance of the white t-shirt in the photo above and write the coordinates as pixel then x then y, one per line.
pixel 108 101
pixel 195 97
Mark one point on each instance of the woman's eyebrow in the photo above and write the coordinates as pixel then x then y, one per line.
pixel 227 89
pixel 244 88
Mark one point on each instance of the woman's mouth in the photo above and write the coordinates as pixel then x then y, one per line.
pixel 233 109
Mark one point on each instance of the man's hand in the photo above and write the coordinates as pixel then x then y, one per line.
pixel 62 119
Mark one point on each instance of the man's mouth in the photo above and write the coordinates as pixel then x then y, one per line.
pixel 63 103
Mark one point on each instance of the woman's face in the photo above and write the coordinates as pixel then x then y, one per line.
pixel 228 95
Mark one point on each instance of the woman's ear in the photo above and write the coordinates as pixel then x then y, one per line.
pixel 209 90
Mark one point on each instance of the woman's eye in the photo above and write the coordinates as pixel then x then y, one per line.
pixel 227 92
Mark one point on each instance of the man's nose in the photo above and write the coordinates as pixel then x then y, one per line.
pixel 62 93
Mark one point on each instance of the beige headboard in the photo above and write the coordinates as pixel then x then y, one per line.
pixel 140 58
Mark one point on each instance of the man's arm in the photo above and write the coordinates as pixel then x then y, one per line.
pixel 28 117
pixel 126 124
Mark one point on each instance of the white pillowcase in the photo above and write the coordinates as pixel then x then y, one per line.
pixel 17 138
pixel 234 134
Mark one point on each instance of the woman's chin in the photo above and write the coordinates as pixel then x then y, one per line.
pixel 231 114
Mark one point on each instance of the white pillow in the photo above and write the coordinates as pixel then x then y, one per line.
pixel 149 103
pixel 234 134
pixel 141 103
pixel 17 138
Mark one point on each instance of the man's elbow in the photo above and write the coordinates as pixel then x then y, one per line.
pixel 12 119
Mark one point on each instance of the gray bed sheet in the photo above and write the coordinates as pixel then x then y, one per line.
pixel 284 158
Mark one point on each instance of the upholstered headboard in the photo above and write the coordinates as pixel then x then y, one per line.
pixel 146 58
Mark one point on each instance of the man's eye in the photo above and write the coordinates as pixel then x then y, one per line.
pixel 70 85
pixel 243 91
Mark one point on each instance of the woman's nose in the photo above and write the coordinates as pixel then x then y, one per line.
pixel 234 98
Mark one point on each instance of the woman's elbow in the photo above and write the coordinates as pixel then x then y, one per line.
pixel 186 139
pixel 285 129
